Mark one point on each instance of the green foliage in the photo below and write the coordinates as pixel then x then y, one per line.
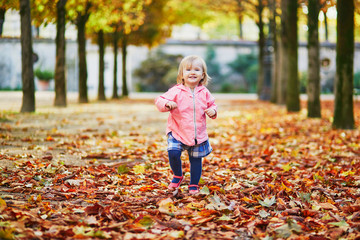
pixel 251 76
pixel 357 80
pixel 247 66
pixel 44 75
pixel 213 67
pixel 243 62
pixel 158 72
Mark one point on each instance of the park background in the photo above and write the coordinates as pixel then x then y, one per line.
pixel 233 59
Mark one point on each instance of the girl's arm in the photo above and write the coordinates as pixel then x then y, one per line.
pixel 166 101
pixel 211 111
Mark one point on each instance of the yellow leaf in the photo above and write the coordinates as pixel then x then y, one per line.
pixel 176 234
pixel 139 169
pixel 248 200
pixel 287 167
pixel 38 198
pixel 2 204
pixel 285 187
pixel 167 206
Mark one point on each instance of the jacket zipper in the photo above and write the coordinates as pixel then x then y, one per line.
pixel 193 94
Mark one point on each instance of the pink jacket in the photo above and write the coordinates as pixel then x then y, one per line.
pixel 184 126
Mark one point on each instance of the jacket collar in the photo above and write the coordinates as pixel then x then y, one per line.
pixel 187 89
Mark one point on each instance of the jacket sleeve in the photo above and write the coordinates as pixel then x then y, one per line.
pixel 163 99
pixel 211 104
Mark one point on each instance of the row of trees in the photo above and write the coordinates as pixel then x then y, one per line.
pixel 123 22
pixel 115 22
pixel 287 60
pixel 282 18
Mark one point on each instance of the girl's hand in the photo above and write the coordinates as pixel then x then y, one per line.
pixel 210 112
pixel 171 105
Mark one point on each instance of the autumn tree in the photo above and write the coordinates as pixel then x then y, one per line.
pixel 27 73
pixel 45 12
pixel 60 65
pixel 97 25
pixel 273 15
pixel 261 44
pixel 313 85
pixel 114 21
pixel 159 16
pixel 283 54
pixel 133 18
pixel 291 26
pixel 344 108
pixel 79 12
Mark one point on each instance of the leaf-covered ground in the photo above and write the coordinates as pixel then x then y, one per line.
pixel 100 170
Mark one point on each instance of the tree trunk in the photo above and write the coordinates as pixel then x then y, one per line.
pixel 292 91
pixel 101 89
pixel 27 74
pixel 125 91
pixel 261 45
pixel 313 86
pixel 81 26
pixel 115 86
pixel 326 27
pixel 240 18
pixel 344 106
pixel 2 19
pixel 275 75
pixel 60 80
pixel 283 61
pixel 241 32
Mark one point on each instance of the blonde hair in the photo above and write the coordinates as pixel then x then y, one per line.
pixel 188 61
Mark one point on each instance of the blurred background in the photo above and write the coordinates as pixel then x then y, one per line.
pixel 224 32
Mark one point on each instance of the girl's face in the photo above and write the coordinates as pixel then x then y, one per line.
pixel 193 73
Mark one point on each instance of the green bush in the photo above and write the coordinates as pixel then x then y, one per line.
pixel 251 76
pixel 158 72
pixel 247 66
pixel 44 75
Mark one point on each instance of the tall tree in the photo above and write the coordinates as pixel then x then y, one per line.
pixel 60 79
pixel 49 11
pixel 261 45
pixel 101 44
pixel 344 107
pixel 124 43
pixel 79 12
pixel 119 18
pixel 292 90
pixel 283 54
pixel 28 85
pixel 313 86
pixel 275 69
pixel 81 19
pixel 115 94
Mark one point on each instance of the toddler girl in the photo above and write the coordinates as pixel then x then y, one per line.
pixel 188 102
